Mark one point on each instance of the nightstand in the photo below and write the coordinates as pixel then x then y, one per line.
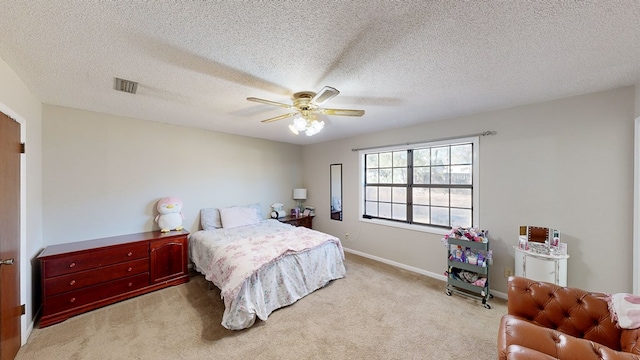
pixel 305 221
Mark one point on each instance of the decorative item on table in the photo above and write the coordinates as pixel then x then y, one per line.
pixel 170 214
pixel 277 211
pixel 542 240
pixel 309 211
pixel 295 212
pixel 299 195
pixel 562 248
pixel 523 244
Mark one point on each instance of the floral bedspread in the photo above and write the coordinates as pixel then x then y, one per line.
pixel 249 264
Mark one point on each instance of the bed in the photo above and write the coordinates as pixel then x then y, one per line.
pixel 261 265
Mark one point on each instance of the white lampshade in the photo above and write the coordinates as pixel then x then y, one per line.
pixel 300 194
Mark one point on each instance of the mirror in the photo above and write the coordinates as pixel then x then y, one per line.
pixel 335 171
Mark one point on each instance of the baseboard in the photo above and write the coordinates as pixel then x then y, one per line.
pixel 440 277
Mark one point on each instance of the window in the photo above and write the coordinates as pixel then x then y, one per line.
pixel 421 185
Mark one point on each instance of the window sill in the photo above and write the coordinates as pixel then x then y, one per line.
pixel 421 228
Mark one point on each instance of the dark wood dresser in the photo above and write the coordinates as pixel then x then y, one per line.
pixel 82 276
pixel 306 221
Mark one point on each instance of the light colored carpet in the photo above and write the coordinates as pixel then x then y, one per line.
pixel 376 312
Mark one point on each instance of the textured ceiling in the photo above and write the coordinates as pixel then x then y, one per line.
pixel 403 62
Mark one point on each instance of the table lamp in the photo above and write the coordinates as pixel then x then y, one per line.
pixel 299 195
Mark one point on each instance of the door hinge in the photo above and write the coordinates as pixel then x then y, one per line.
pixel 23 309
pixel 22 148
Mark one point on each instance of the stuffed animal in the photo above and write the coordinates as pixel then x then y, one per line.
pixel 170 214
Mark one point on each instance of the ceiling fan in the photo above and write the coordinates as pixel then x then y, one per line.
pixel 306 104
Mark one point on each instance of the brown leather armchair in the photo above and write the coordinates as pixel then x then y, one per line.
pixel 547 321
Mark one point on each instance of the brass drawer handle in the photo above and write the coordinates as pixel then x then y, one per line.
pixel 72 300
pixel 129 269
pixel 72 265
pixel 130 284
pixel 130 253
pixel 72 282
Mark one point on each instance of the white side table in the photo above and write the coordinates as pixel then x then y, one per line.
pixel 541 267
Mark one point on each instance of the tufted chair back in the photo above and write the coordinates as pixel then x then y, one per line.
pixel 572 311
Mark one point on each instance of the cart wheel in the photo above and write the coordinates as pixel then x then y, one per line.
pixel 448 292
pixel 490 296
pixel 486 306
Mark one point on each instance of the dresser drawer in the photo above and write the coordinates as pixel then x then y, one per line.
pixel 73 262
pixel 77 298
pixel 79 280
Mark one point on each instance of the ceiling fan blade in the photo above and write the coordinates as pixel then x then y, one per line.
pixel 279 117
pixel 269 102
pixel 324 95
pixel 341 112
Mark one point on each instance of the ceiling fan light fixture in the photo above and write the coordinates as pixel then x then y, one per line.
pixel 307 107
pixel 308 125
pixel 299 123
pixel 315 127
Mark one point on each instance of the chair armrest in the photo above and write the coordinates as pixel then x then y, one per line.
pixel 517 352
pixel 517 333
pixel 630 341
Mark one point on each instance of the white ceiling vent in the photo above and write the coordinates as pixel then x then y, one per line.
pixel 127 86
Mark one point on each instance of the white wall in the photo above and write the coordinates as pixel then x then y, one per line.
pixel 17 101
pixel 104 174
pixel 566 164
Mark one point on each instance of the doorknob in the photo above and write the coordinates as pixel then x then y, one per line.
pixel 6 262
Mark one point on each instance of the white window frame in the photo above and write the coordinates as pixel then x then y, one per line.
pixel 416 227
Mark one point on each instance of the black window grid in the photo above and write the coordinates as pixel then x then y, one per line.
pixel 410 186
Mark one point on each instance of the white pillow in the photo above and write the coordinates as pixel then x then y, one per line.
pixel 210 219
pixel 236 216
pixel 258 209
